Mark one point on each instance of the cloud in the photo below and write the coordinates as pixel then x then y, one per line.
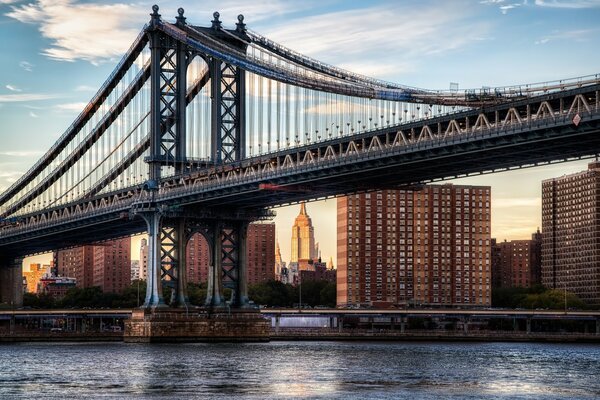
pixel 33 115
pixel 85 88
pixel 22 153
pixel 16 98
pixel 72 106
pixel 377 35
pixel 577 35
pixel 568 3
pixel 506 8
pixel 93 32
pixel 13 88
pixel 27 66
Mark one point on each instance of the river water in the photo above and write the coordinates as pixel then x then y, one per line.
pixel 314 370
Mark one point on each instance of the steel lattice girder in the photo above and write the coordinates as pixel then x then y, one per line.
pixel 228 88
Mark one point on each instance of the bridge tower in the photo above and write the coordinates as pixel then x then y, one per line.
pixel 170 230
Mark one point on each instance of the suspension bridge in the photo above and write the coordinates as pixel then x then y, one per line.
pixel 204 129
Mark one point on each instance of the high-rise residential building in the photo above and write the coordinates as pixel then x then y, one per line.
pixel 197 259
pixel 517 263
pixel 34 275
pixel 260 255
pixel 571 233
pixel 77 263
pixel 144 259
pixel 112 265
pixel 423 247
pixel 303 237
pixel 260 250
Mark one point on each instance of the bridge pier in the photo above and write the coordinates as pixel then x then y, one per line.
pixel 11 283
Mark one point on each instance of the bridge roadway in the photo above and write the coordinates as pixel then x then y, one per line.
pixel 555 127
pixel 272 312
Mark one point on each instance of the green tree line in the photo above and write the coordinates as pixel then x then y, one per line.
pixel 270 294
pixel 535 297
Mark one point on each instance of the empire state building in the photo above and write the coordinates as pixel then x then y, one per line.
pixel 303 237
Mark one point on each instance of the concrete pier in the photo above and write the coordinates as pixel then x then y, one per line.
pixel 181 325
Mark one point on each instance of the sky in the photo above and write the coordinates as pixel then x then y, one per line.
pixel 57 53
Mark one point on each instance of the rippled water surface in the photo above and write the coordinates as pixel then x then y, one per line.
pixel 319 370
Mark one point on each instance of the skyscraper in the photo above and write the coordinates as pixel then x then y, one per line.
pixel 303 237
pixel 429 247
pixel 571 233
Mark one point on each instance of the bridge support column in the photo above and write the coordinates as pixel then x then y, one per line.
pixel 173 242
pixel 597 326
pixel 233 262
pixel 11 283
pixel 154 296
pixel 213 292
pixel 403 321
pixel 528 325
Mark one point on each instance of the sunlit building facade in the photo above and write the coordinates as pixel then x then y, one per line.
pixel 415 248
pixel 571 233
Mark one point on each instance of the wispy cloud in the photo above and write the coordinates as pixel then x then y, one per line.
pixel 13 88
pixel 363 34
pixel 504 9
pixel 88 31
pixel 17 98
pixel 568 3
pixel 22 153
pixel 71 106
pixel 27 66
pixel 577 35
pixel 85 88
pixel 33 115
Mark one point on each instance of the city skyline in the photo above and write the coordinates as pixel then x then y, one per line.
pixel 487 43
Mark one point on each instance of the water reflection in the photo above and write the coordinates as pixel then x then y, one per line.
pixel 323 370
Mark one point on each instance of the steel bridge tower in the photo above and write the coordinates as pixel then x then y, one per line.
pixel 169 230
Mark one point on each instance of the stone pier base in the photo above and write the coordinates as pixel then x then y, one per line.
pixel 179 325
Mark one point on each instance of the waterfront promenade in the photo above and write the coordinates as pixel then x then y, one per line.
pixel 330 324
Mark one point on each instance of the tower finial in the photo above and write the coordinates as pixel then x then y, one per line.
pixel 303 208
pixel 180 18
pixel 155 15
pixel 240 25
pixel 216 23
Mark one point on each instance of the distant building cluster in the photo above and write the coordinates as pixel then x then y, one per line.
pixel 106 265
